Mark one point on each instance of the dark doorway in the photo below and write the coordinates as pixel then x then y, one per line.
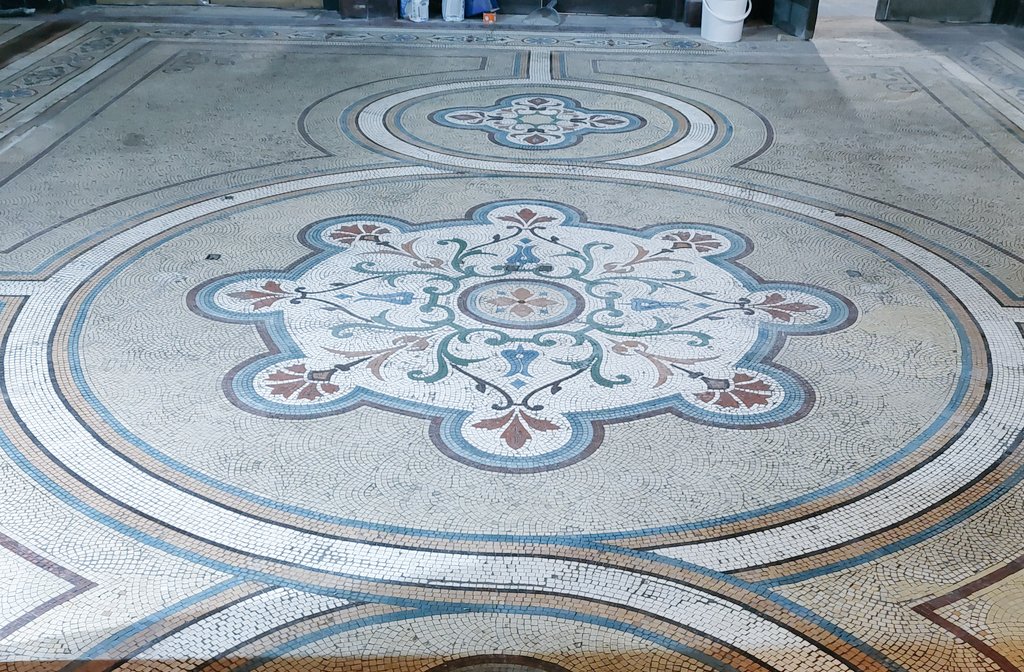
pixel 796 17
pixel 1009 11
pixel 960 11
pixel 603 7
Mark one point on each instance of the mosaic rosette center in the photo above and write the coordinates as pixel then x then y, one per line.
pixel 521 303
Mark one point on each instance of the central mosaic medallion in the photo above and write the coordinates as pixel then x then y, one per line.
pixel 537 121
pixel 521 331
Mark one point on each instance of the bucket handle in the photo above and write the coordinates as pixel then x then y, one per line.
pixel 750 7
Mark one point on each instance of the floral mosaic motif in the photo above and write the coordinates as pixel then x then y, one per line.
pixel 522 330
pixel 16 93
pixel 537 121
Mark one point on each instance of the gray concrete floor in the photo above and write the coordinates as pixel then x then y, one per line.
pixel 861 8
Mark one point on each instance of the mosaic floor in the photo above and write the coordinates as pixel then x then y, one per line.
pixel 425 350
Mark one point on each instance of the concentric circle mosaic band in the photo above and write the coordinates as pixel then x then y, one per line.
pixel 521 352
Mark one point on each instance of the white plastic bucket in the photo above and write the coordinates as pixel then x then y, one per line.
pixel 415 10
pixel 453 10
pixel 722 20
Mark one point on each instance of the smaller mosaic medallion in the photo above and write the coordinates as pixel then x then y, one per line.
pixel 495 122
pixel 521 330
pixel 537 121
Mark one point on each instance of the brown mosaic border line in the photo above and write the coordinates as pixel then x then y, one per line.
pixel 78 405
pixel 579 661
pixel 164 628
pixel 258 648
pixel 462 663
pixel 846 553
pixel 930 609
pixel 79 584
pixel 662 661
pixel 10 308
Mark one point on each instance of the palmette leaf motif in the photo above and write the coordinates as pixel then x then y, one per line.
pixel 359 232
pixel 516 424
pixel 776 305
pixel 264 297
pixel 527 217
pixel 521 329
pixel 298 382
pixel 742 390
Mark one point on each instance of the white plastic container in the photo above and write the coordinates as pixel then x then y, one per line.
pixel 722 20
pixel 453 10
pixel 415 10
